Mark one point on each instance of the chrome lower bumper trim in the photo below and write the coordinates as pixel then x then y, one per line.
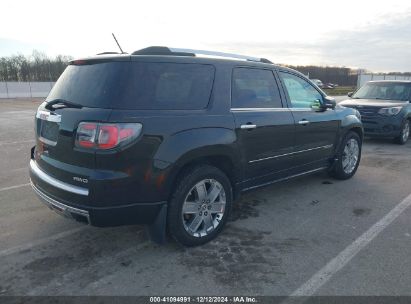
pixel 60 208
pixel 55 182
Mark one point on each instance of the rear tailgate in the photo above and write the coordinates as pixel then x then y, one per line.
pixel 90 86
pixel 55 152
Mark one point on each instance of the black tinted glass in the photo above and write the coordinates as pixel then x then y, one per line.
pixel 254 88
pixel 91 85
pixel 137 85
pixel 169 86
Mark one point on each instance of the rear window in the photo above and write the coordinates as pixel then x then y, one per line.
pixel 136 85
pixel 91 85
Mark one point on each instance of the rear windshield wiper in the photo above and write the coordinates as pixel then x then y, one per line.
pixel 61 103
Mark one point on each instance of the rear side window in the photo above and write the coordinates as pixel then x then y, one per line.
pixel 254 88
pixel 136 85
pixel 168 86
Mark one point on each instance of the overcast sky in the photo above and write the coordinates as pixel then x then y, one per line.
pixel 375 35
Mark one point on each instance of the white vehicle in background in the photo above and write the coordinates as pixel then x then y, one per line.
pixel 318 82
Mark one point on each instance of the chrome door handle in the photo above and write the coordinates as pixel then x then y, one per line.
pixel 303 122
pixel 248 126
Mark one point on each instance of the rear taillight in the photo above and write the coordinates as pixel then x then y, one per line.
pixel 106 136
pixel 86 134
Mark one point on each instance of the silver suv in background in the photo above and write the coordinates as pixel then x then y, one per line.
pixel 384 107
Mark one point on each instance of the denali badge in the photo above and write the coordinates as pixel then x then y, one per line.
pixel 81 180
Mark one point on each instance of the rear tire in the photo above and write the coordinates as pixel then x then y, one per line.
pixel 200 205
pixel 348 157
pixel 405 133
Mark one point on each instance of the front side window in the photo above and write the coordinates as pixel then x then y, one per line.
pixel 302 94
pixel 254 88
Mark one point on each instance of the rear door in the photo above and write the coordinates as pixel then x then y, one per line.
pixel 316 130
pixel 264 127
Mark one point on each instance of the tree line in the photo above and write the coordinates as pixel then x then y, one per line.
pixel 337 75
pixel 39 67
pixel 36 67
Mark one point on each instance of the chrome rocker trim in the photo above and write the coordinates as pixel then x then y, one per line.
pixel 292 153
pixel 285 178
pixel 55 182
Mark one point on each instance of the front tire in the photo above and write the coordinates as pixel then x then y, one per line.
pixel 200 205
pixel 405 133
pixel 348 157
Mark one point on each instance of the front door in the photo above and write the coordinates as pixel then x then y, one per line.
pixel 316 129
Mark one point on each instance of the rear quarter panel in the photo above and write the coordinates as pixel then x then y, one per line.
pixel 167 143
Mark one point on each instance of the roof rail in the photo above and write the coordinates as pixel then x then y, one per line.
pixel 162 50
pixel 108 53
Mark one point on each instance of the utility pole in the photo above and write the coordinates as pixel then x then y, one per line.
pixel 7 88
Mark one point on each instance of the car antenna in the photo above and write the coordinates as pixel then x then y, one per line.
pixel 122 52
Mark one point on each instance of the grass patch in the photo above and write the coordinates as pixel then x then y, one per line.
pixel 339 91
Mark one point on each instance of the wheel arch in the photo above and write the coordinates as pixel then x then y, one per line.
pixel 358 130
pixel 216 146
pixel 222 161
pixel 350 123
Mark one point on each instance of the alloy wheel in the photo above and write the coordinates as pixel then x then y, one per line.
pixel 350 156
pixel 204 207
pixel 406 131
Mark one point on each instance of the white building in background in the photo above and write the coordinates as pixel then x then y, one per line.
pixel 365 77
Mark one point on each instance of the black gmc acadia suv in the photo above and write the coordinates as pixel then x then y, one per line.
pixel 169 139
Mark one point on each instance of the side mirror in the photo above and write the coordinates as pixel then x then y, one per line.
pixel 316 105
pixel 329 103
pixel 350 94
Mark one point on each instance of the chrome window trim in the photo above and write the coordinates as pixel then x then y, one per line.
pixel 55 182
pixel 272 110
pixel 302 110
pixel 292 153
pixel 259 109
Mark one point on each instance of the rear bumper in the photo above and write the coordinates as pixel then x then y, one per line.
pixel 72 206
pixel 55 182
pixel 62 209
